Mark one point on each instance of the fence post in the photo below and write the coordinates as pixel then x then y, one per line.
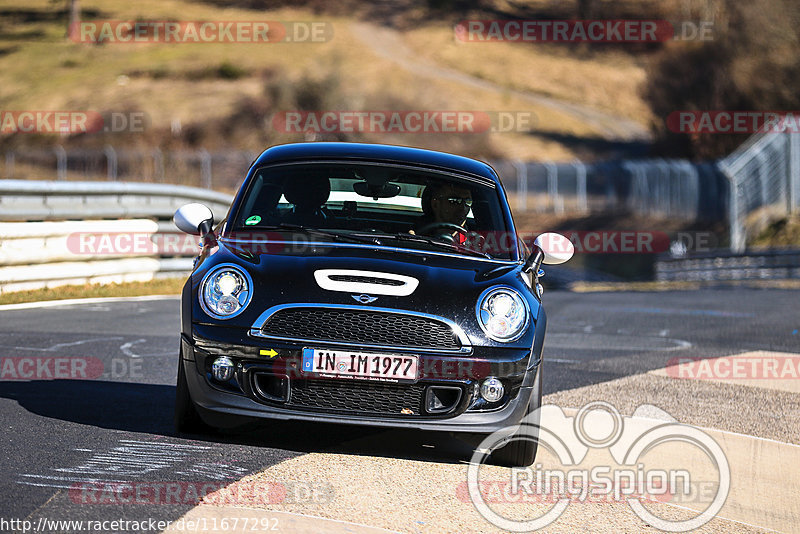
pixel 665 196
pixel 111 162
pixel 762 178
pixel 649 190
pixel 10 164
pixel 638 190
pixel 205 167
pixel 794 172
pixel 522 185
pixel 736 227
pixel 552 186
pixel 158 165
pixel 61 162
pixel 580 173
pixel 738 238
pixel 693 208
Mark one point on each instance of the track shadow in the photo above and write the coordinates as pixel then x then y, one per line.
pixel 27 15
pixel 148 408
pixel 111 405
pixel 596 148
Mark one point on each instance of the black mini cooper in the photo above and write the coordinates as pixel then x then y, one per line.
pixel 366 284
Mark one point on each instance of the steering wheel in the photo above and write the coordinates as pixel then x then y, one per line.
pixel 444 226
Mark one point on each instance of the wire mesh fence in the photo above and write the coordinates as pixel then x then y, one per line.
pixel 222 171
pixel 674 189
pixel 678 189
pixel 759 180
pixel 764 174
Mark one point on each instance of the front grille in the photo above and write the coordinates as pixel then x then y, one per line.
pixel 365 280
pixel 366 327
pixel 356 397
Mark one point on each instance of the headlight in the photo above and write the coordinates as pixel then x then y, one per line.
pixel 502 314
pixel 225 291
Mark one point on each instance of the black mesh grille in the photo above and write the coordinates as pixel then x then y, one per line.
pixel 351 326
pixel 356 397
pixel 365 280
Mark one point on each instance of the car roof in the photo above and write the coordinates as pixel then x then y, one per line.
pixel 375 152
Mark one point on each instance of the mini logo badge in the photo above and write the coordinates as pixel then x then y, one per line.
pixel 364 298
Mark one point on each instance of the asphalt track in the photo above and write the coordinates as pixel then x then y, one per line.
pixel 62 436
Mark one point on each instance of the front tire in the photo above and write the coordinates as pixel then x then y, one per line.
pixel 521 449
pixel 186 418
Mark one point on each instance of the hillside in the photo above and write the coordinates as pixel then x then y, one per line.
pixel 225 95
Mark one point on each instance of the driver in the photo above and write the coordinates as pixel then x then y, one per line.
pixel 451 204
pixel 446 204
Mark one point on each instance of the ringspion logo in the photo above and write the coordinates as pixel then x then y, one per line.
pixel 640 460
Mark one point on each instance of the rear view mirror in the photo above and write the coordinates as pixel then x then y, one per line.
pixel 194 218
pixel 384 190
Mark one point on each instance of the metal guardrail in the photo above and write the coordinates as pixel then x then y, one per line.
pixel 44 248
pixel 31 200
pixel 217 169
pixel 718 266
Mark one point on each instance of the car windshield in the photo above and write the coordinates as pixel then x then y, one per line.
pixel 382 204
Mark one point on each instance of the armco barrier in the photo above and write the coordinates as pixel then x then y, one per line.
pixel 755 265
pixel 44 248
pixel 31 200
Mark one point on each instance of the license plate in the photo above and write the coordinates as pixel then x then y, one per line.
pixel 345 364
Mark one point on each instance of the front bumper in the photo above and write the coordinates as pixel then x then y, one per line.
pixel 243 398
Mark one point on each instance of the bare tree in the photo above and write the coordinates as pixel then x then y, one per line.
pixel 585 9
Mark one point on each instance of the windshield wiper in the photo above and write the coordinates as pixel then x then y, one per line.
pixel 329 233
pixel 436 242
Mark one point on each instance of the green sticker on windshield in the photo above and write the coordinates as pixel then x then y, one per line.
pixel 255 219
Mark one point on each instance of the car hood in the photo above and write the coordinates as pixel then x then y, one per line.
pixel 448 285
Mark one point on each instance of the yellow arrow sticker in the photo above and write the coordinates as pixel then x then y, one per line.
pixel 271 352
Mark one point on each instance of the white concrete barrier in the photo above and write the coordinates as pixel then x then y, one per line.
pixel 125 233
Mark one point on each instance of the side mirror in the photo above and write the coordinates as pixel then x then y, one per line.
pixel 195 219
pixel 549 248
pixel 556 247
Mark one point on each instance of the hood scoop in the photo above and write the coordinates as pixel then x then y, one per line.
pixel 371 282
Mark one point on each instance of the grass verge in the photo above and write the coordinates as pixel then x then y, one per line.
pixel 594 287
pixel 162 286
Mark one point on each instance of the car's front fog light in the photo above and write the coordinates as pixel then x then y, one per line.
pixel 222 369
pixel 492 389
